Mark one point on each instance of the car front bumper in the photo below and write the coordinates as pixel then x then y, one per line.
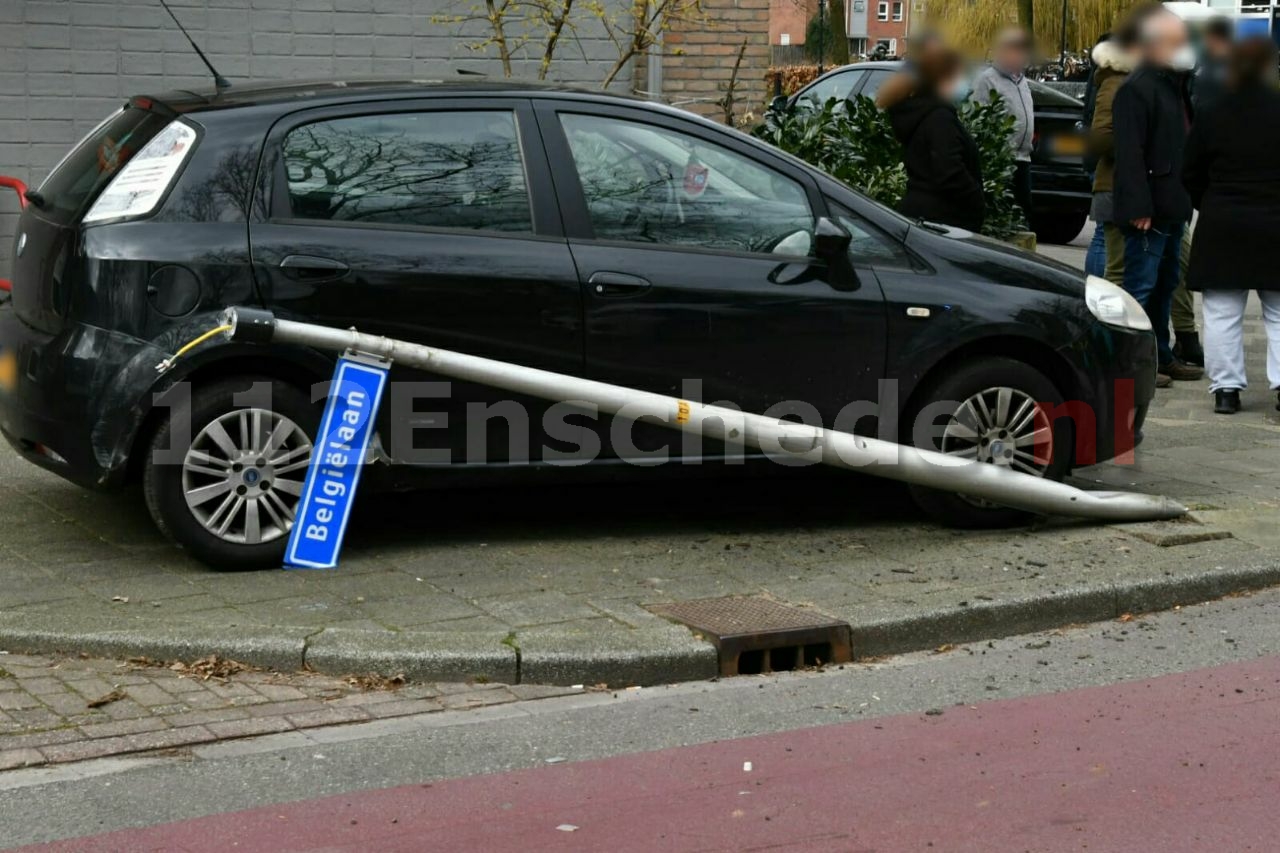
pixel 1118 383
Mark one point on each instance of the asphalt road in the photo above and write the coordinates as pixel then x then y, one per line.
pixel 1183 762
pixel 96 797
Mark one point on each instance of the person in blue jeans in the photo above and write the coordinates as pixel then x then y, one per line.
pixel 1151 115
pixel 1152 270
pixel 1095 258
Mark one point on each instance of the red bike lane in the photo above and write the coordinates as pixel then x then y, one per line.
pixel 1180 762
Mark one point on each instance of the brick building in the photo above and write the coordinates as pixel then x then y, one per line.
pixel 66 64
pixel 887 25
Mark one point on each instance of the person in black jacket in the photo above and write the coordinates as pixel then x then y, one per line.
pixel 1207 85
pixel 944 173
pixel 1233 179
pixel 1151 115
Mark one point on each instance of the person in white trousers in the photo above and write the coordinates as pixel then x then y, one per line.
pixel 1233 178
pixel 1224 341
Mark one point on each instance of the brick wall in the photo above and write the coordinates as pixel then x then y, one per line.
pixel 65 64
pixel 699 77
pixel 790 17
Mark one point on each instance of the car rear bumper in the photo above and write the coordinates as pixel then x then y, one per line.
pixel 57 408
pixel 1060 188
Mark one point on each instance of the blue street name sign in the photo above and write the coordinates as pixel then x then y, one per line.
pixel 336 462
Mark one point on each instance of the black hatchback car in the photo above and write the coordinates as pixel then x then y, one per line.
pixel 1061 189
pixel 578 232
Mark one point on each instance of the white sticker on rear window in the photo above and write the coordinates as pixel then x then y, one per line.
pixel 138 188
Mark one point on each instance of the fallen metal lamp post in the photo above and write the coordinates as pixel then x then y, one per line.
pixel 839 449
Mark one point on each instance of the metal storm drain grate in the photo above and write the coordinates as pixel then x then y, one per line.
pixel 754 634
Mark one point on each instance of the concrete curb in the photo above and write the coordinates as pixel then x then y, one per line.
pixel 653 656
pixel 992 620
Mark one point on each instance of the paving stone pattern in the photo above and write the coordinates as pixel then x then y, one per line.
pixel 46 718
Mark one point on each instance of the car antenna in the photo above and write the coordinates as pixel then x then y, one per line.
pixel 219 82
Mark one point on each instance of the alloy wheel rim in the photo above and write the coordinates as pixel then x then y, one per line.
pixel 242 476
pixel 1001 426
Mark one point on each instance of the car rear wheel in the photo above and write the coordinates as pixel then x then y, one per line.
pixel 996 411
pixel 227 487
pixel 1058 228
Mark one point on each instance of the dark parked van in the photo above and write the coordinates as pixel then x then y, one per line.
pixel 578 232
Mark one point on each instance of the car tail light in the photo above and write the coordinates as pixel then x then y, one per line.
pixel 143 181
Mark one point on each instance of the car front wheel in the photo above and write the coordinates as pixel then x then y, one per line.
pixel 224 473
pixel 996 411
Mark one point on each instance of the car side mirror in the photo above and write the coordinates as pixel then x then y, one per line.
pixel 778 104
pixel 830 239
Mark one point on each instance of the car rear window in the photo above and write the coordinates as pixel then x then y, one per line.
pixel 78 179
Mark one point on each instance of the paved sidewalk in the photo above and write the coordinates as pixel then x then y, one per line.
pixel 551 585
pixel 55 710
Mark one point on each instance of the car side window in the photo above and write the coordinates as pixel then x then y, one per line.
pixel 459 169
pixel 875 80
pixel 870 246
pixel 835 86
pixel 648 184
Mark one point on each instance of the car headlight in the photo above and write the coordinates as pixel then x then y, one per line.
pixel 1114 306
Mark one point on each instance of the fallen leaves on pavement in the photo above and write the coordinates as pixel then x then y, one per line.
pixel 106 699
pixel 373 681
pixel 210 667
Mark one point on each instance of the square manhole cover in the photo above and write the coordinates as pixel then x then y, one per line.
pixel 754 634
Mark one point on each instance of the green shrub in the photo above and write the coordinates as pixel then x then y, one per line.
pixel 854 142
pixel 849 140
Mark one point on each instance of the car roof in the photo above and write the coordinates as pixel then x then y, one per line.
pixel 255 93
pixel 309 93
pixel 1045 95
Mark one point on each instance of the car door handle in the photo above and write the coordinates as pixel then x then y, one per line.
pixel 615 284
pixel 312 267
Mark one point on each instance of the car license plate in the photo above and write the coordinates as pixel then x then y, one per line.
pixel 1068 146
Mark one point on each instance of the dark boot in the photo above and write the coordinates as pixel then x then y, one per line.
pixel 1163 381
pixel 1187 348
pixel 1181 371
pixel 1226 401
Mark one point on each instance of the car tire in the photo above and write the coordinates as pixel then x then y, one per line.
pixel 1058 228
pixel 983 379
pixel 225 488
